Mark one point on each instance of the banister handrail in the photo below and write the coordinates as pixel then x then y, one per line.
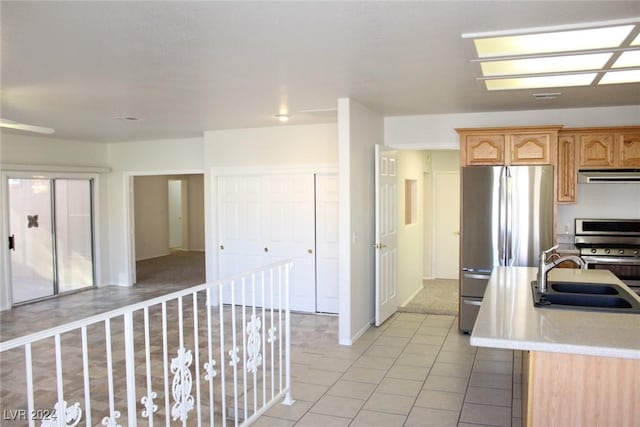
pixel 86 321
pixel 238 339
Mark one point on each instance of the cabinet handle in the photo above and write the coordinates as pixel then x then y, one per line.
pixel 470 302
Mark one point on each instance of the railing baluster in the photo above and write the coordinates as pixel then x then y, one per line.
pixel 113 413
pixel 272 335
pixel 29 380
pixel 244 349
pixel 147 358
pixel 255 332
pixel 165 357
pixel 280 328
pixel 234 351
pixel 223 395
pixel 196 350
pixel 130 369
pixel 85 370
pixel 288 400
pixel 210 355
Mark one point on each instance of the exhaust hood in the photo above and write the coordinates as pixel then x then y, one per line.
pixel 599 176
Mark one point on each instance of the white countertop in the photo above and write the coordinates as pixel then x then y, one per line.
pixel 508 319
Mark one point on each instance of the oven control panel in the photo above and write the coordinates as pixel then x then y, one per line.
pixel 618 252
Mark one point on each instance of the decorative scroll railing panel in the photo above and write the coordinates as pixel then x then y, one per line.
pixel 177 359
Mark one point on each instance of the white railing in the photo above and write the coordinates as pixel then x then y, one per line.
pixel 144 362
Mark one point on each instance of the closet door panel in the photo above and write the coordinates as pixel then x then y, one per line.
pixel 327 243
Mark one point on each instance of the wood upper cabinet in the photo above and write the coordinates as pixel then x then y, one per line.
pixel 601 148
pixel 533 145
pixel 629 149
pixel 597 150
pixel 566 175
pixel 484 149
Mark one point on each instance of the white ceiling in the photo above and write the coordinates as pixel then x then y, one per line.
pixel 186 67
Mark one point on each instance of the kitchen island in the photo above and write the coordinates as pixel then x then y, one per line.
pixel 580 368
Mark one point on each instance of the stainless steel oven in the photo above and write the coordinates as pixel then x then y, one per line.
pixel 611 244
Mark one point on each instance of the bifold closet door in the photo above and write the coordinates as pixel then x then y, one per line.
pixel 289 232
pixel 263 219
pixel 327 243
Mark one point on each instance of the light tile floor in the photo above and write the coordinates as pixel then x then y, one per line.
pixel 414 370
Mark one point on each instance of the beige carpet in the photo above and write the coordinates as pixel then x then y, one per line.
pixel 438 296
pixel 184 268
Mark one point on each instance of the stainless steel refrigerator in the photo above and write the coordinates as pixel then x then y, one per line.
pixel 507 219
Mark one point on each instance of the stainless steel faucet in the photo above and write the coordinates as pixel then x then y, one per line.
pixel 547 264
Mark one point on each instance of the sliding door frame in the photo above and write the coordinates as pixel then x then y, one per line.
pixel 49 173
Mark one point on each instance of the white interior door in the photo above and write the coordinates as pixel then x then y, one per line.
pixel 386 233
pixel 290 233
pixel 327 243
pixel 446 225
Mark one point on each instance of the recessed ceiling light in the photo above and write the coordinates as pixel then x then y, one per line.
pixel 127 118
pixel 540 82
pixel 553 64
pixel 625 76
pixel 560 41
pixel 282 117
pixel 628 59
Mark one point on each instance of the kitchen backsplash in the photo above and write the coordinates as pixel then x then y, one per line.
pixel 598 201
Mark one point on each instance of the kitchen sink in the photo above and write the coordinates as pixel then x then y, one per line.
pixel 583 288
pixel 585 296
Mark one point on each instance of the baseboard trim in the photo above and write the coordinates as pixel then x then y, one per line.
pixel 408 300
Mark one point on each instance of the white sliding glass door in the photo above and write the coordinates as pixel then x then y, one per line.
pixel 51 239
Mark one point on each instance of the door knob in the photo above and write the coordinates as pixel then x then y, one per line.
pixel 310 251
pixel 222 247
pixel 266 249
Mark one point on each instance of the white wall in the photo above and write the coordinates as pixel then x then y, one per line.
pixel 436 131
pixel 359 130
pixel 272 146
pixel 151 216
pixel 598 201
pixel 309 147
pixel 411 165
pixel 158 157
pixel 195 184
pixel 40 154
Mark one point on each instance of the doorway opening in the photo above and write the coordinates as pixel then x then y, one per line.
pixel 50 236
pixel 428 245
pixel 168 213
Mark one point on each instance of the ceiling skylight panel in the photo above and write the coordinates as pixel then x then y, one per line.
pixel 624 76
pixel 553 42
pixel 630 58
pixel 553 64
pixel 541 82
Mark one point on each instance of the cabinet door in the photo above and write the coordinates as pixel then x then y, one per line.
pixel 532 149
pixel 484 149
pixel 566 170
pixel 630 150
pixel 597 150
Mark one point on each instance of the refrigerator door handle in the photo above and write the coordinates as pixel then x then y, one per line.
pixel 502 211
pixel 508 246
pixel 477 276
pixel 472 302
